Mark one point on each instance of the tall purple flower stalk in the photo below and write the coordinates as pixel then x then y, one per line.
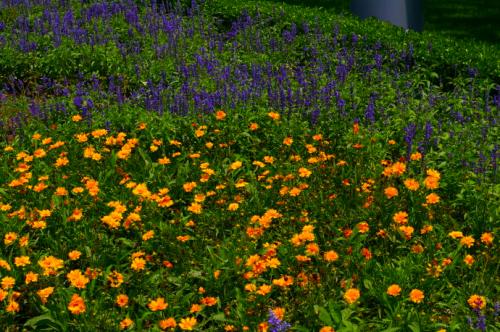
pixel 410 132
pixel 276 324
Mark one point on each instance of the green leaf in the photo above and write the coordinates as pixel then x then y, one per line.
pixel 414 327
pixel 324 316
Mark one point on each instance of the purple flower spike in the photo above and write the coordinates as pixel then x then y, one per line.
pixel 276 324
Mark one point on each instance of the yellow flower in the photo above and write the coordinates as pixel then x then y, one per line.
pixel 76 118
pixel 235 165
pixel 455 235
pixel 22 261
pixel 476 301
pixel 187 323
pixel 233 207
pixel 9 238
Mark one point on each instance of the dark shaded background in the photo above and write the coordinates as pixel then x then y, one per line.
pixel 470 19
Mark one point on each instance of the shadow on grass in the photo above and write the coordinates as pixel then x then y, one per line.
pixel 471 19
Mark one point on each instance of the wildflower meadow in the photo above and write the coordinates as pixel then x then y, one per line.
pixel 218 166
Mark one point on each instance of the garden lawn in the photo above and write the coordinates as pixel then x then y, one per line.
pixel 211 168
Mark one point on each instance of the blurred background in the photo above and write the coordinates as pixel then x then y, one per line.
pixel 470 19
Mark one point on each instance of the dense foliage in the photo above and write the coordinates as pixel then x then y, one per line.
pixel 216 167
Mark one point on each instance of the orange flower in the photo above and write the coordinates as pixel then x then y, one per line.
pixel 76 118
pixel 158 304
pixel 390 192
pixel 398 168
pixel 411 184
pixel 432 198
pixel 187 323
pixel 9 238
pixel 363 227
pixel 312 249
pixel 148 235
pixel 327 329
pixel 455 235
pixel 77 305
pixel 407 231
pixel 138 264
pixel 45 293
pixel 416 296
pixel 13 306
pixel 274 115
pixel 487 238
pixel 74 255
pixel 220 115
pixel 476 301
pixel 467 241
pixel 8 282
pixel 115 279
pixel 352 295
pixel 253 126
pixel 209 301
pixel 264 290
pixel 288 141
pixel 167 323
pixel 431 182
pixel 233 207
pixel 235 165
pixel 50 265
pixel 77 279
pixel 330 256
pixel 126 323
pixel 195 208
pixel 304 172
pixel 393 290
pixel 189 186
pixel 121 300
pixel 30 277
pixel 195 308
pixel 400 217
pixel 416 156
pixel 22 261
pixel 469 260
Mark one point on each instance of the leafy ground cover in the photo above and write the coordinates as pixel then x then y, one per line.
pixel 460 19
pixel 212 168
